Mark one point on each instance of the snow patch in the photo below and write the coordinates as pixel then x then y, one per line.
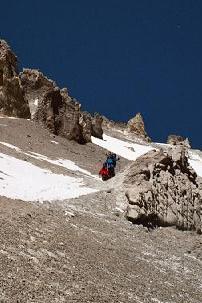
pixel 196 162
pixel 25 181
pixel 70 165
pixel 128 150
pixel 55 142
pixel 11 146
pixel 14 118
pixel 163 144
pixel 69 213
pixel 36 101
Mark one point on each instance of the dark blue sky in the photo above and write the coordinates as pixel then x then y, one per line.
pixel 117 57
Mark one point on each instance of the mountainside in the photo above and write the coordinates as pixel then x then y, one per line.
pixel 30 93
pixel 67 236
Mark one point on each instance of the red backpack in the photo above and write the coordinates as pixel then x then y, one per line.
pixel 104 172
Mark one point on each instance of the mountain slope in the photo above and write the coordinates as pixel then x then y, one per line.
pixel 82 249
pixel 64 236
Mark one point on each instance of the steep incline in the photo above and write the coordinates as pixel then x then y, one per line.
pixel 82 249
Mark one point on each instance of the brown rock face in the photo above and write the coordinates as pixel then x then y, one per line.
pixel 136 126
pixel 178 140
pixel 97 130
pixel 110 124
pixel 56 110
pixel 164 190
pixel 31 94
pixel 12 101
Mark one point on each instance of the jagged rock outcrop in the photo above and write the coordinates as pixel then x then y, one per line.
pixel 97 130
pixel 31 94
pixel 110 124
pixel 54 108
pixel 37 88
pixel 162 189
pixel 12 101
pixel 178 140
pixel 136 126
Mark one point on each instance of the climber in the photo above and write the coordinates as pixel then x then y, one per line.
pixel 108 169
pixel 110 166
pixel 114 158
pixel 104 173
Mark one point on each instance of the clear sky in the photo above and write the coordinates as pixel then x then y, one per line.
pixel 117 57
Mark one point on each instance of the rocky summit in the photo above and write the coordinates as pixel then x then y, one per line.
pixel 68 236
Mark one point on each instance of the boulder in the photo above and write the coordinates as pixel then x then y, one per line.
pixel 162 189
pixel 12 100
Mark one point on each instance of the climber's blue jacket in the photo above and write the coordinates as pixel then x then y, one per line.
pixel 110 163
pixel 114 158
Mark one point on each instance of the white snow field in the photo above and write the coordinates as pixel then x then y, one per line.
pixel 68 164
pixel 25 181
pixel 127 150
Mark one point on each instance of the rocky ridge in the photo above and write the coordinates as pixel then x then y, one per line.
pixel 133 129
pixel 30 93
pixel 56 110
